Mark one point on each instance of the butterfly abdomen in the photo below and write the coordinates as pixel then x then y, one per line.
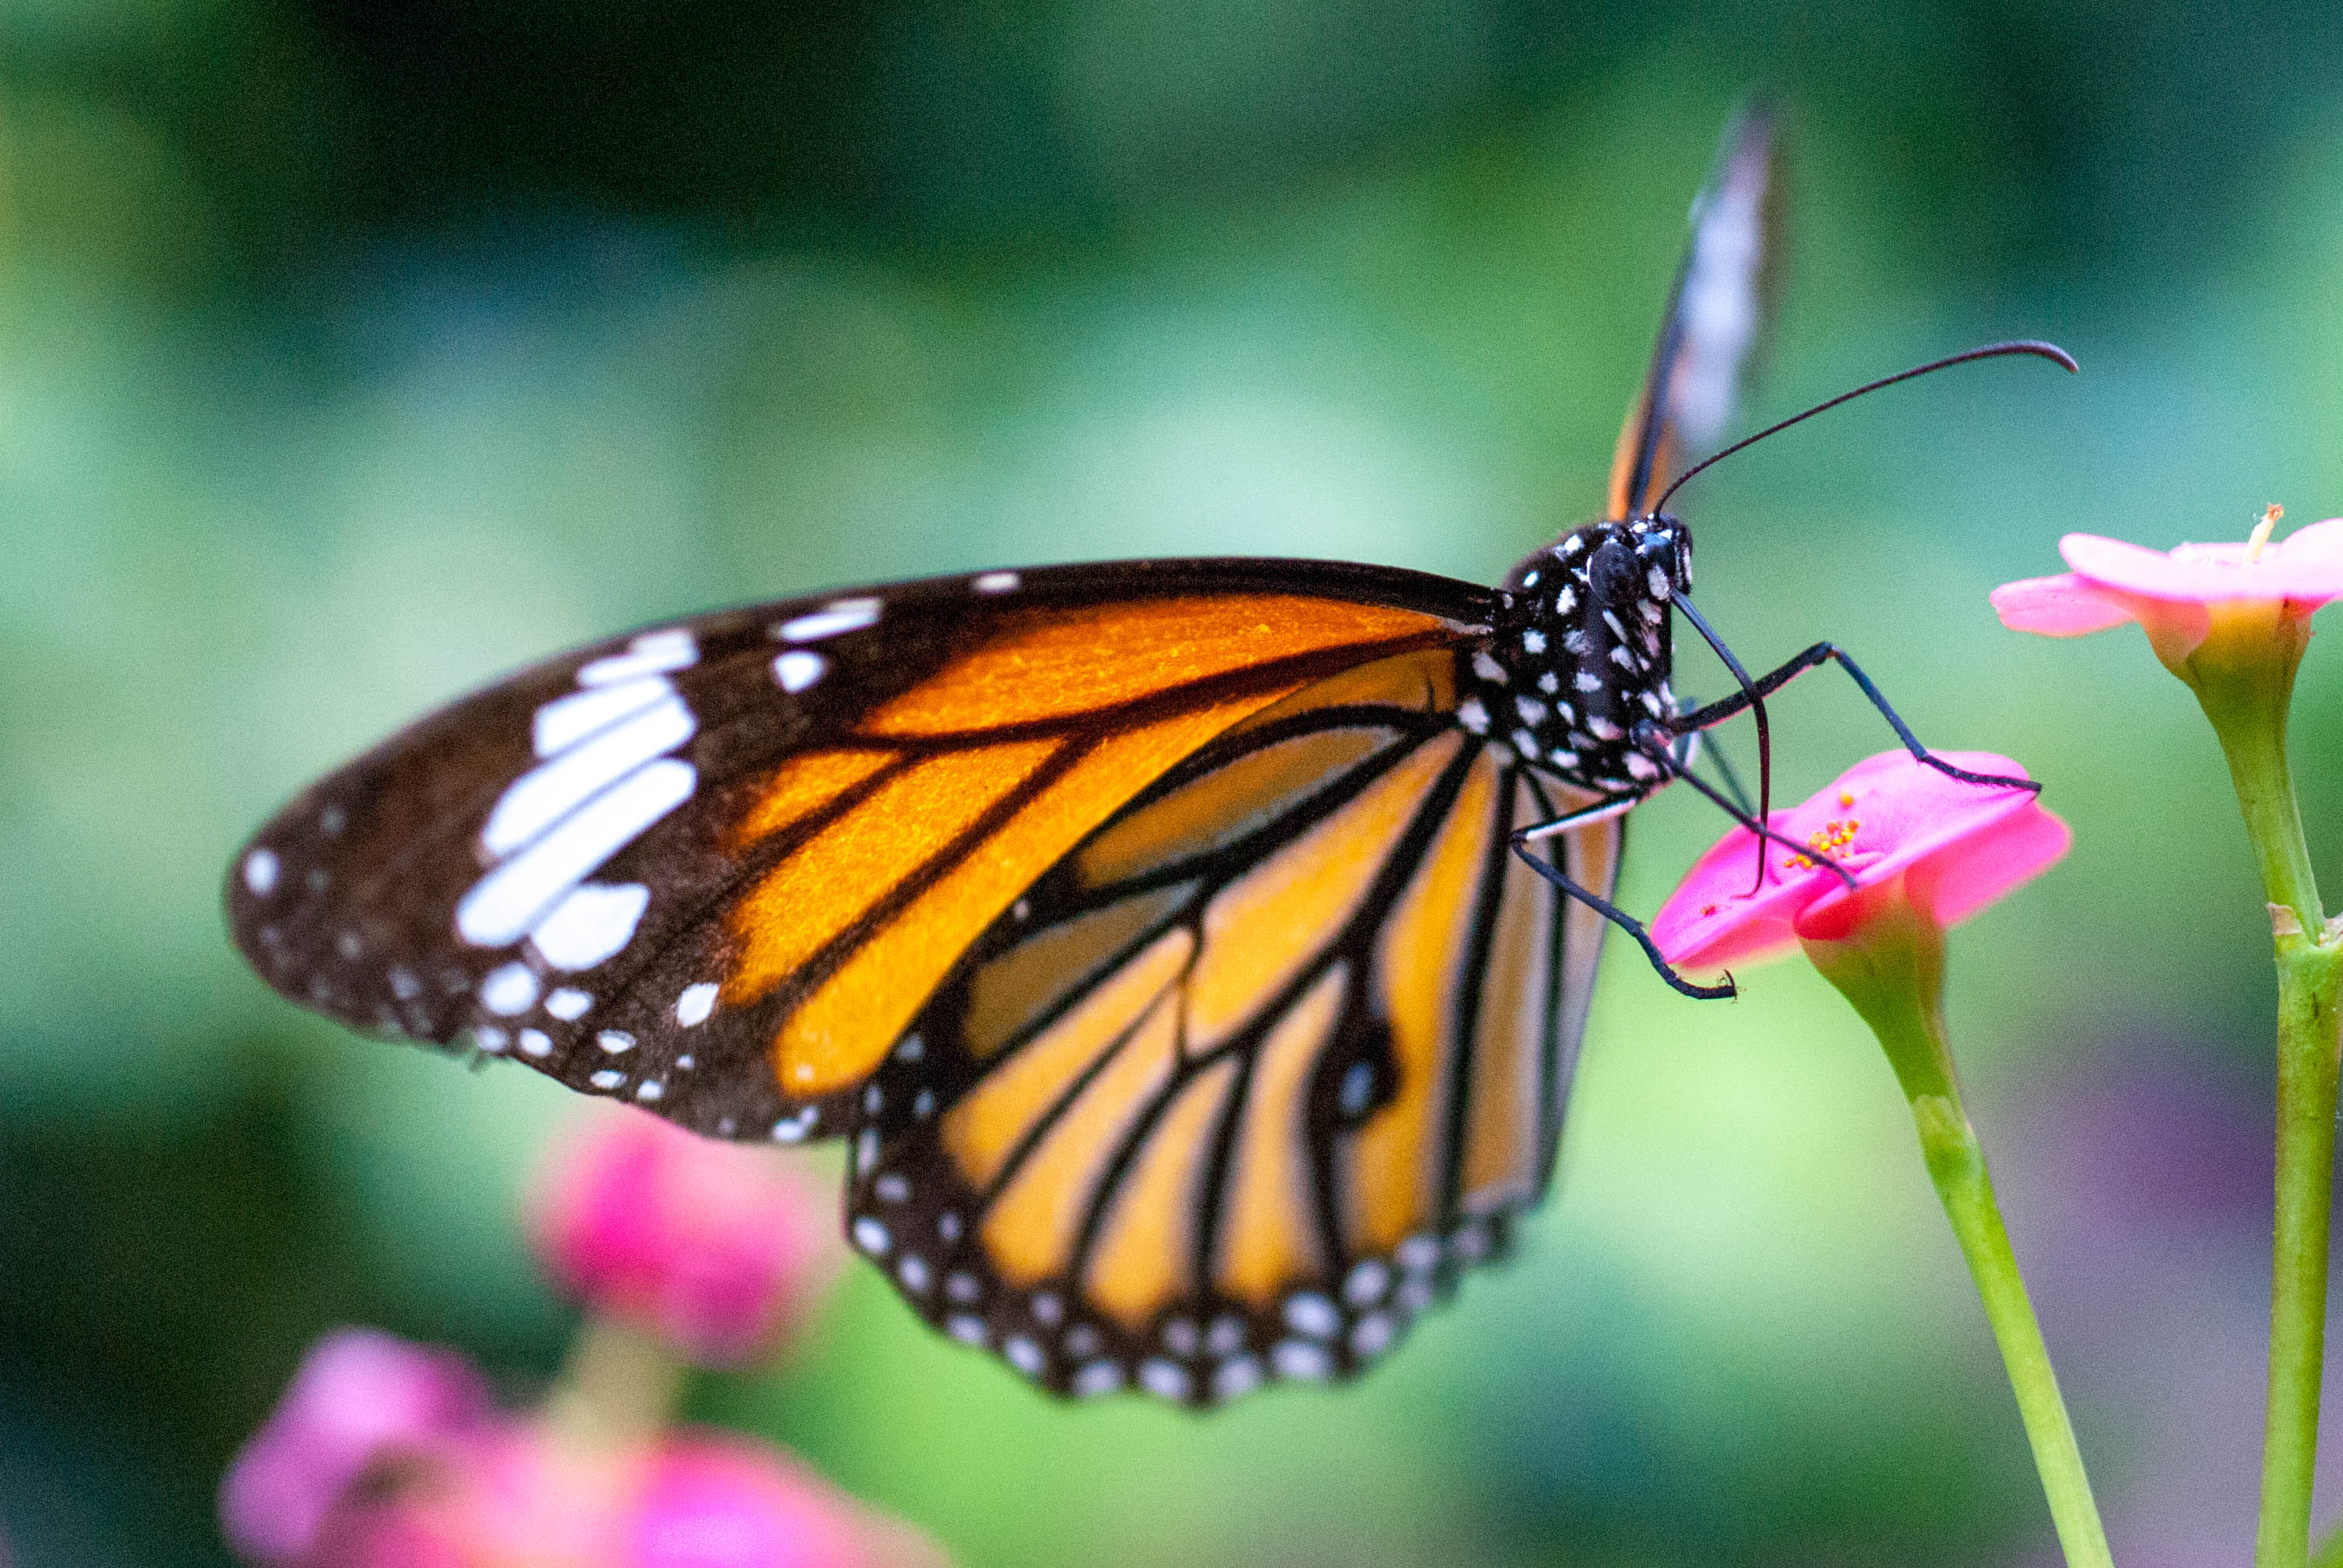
pixel 1580 652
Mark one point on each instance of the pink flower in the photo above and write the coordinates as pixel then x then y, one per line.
pixel 515 1495
pixel 2175 597
pixel 359 1399
pixel 716 1248
pixel 1904 830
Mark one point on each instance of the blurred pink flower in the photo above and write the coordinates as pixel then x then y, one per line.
pixel 2173 595
pixel 360 1397
pixel 718 1250
pixel 1903 829
pixel 516 1496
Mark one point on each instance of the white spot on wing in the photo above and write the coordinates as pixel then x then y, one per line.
pixel 696 1003
pixel 1164 1379
pixel 843 615
pixel 566 720
pixel 551 790
pixel 799 668
pixel 509 990
pixel 261 869
pixel 509 899
pixel 1237 1378
pixel 996 582
pixel 653 653
pixel 569 1004
pixel 593 924
pixel 1302 1360
pixel 1308 1313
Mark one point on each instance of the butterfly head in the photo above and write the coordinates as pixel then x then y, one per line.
pixel 1581 649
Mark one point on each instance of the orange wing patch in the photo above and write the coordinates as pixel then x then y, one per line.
pixel 1268 1238
pixel 834 1038
pixel 1225 804
pixel 1392 1179
pixel 1047 665
pixel 1027 981
pixel 818 891
pixel 802 786
pixel 1034 1223
pixel 1141 1262
pixel 1260 930
pixel 1420 681
pixel 982 1130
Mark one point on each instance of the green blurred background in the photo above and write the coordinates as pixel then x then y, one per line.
pixel 351 353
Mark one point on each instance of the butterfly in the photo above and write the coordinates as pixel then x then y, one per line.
pixel 1193 953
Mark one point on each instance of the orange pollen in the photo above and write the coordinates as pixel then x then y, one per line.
pixel 1834 834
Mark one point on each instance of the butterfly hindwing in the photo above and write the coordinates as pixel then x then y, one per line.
pixel 1241 1085
pixel 715 867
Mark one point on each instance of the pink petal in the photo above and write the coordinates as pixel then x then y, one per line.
pixel 358 1396
pixel 2064 606
pixel 1958 845
pixel 510 1495
pixel 2308 574
pixel 518 1495
pixel 1958 881
pixel 716 1248
pixel 719 1502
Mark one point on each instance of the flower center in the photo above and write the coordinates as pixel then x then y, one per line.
pixel 1834 834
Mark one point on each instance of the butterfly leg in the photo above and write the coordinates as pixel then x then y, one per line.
pixel 1654 742
pixel 1813 658
pixel 1691 746
pixel 1524 842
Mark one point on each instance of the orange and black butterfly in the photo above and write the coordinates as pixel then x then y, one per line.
pixel 1194 953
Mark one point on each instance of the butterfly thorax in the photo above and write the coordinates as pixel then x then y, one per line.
pixel 1580 651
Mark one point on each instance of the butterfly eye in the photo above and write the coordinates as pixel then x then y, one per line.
pixel 1613 574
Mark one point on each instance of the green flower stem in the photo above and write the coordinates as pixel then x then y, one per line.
pixel 617 1389
pixel 2243 677
pixel 1893 969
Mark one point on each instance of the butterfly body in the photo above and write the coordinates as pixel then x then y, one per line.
pixel 1582 652
pixel 1181 946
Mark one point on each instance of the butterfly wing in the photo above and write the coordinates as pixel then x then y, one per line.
pixel 1239 1086
pixel 716 866
pixel 1716 320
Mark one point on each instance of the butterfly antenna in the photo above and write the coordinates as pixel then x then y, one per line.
pixel 2032 345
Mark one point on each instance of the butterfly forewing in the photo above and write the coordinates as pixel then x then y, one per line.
pixel 1235 1091
pixel 1717 318
pixel 715 867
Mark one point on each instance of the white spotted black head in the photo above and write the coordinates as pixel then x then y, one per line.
pixel 1581 650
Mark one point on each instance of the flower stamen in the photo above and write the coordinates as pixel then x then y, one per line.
pixel 2261 533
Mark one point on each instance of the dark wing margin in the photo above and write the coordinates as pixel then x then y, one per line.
pixel 638 867
pixel 1249 1078
pixel 1718 314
